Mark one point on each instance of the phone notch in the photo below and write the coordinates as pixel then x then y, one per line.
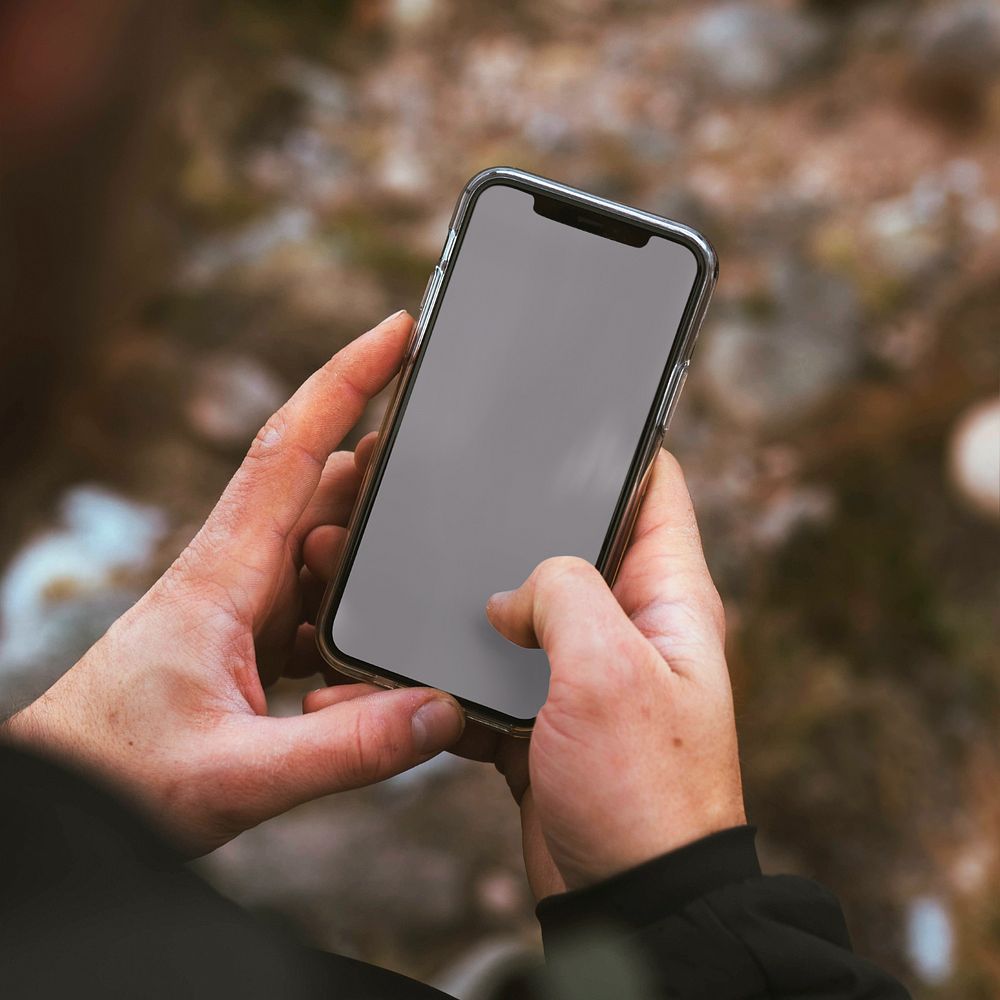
pixel 590 221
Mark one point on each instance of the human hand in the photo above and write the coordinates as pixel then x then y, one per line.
pixel 169 704
pixel 634 753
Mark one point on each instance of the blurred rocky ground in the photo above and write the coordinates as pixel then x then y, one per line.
pixel 839 428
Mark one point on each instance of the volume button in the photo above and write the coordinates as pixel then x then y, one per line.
pixel 413 333
pixel 426 307
pixel 431 278
pixel 449 244
pixel 677 379
pixel 675 395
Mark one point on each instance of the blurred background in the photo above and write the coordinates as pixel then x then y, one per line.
pixel 200 202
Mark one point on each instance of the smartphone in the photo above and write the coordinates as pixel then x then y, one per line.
pixel 552 342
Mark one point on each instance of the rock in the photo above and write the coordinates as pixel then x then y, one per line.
pixel 64 588
pixel 233 396
pixel 974 457
pixel 751 48
pixel 777 359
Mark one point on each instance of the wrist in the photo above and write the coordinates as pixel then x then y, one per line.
pixel 24 729
pixel 656 839
pixel 45 727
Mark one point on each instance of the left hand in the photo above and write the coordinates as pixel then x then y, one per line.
pixel 169 704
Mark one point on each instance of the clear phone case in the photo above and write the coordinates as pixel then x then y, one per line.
pixel 629 502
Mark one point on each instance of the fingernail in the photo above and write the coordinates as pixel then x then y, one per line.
pixel 436 724
pixel 499 598
pixel 395 315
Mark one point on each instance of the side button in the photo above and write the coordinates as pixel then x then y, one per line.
pixel 426 307
pixel 677 379
pixel 449 245
pixel 432 278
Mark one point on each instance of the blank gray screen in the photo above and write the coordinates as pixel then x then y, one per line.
pixel 537 378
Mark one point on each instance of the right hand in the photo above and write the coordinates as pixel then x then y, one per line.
pixel 634 753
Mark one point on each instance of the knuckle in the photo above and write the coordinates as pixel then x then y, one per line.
pixel 556 571
pixel 270 435
pixel 368 750
pixel 285 437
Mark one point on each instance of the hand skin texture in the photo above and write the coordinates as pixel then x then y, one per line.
pixel 169 705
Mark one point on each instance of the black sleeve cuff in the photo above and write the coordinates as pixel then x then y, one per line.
pixel 651 891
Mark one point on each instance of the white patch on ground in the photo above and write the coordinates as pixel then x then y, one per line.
pixel 98 536
pixel 930 938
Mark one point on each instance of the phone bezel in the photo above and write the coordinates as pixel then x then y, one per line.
pixel 626 509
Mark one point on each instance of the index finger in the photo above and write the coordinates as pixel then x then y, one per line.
pixel 265 499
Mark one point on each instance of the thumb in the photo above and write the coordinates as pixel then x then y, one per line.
pixel 565 602
pixel 565 607
pixel 350 744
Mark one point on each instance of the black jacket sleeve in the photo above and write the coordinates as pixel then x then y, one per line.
pixel 94 904
pixel 703 921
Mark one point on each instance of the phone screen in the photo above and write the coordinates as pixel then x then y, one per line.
pixel 533 388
